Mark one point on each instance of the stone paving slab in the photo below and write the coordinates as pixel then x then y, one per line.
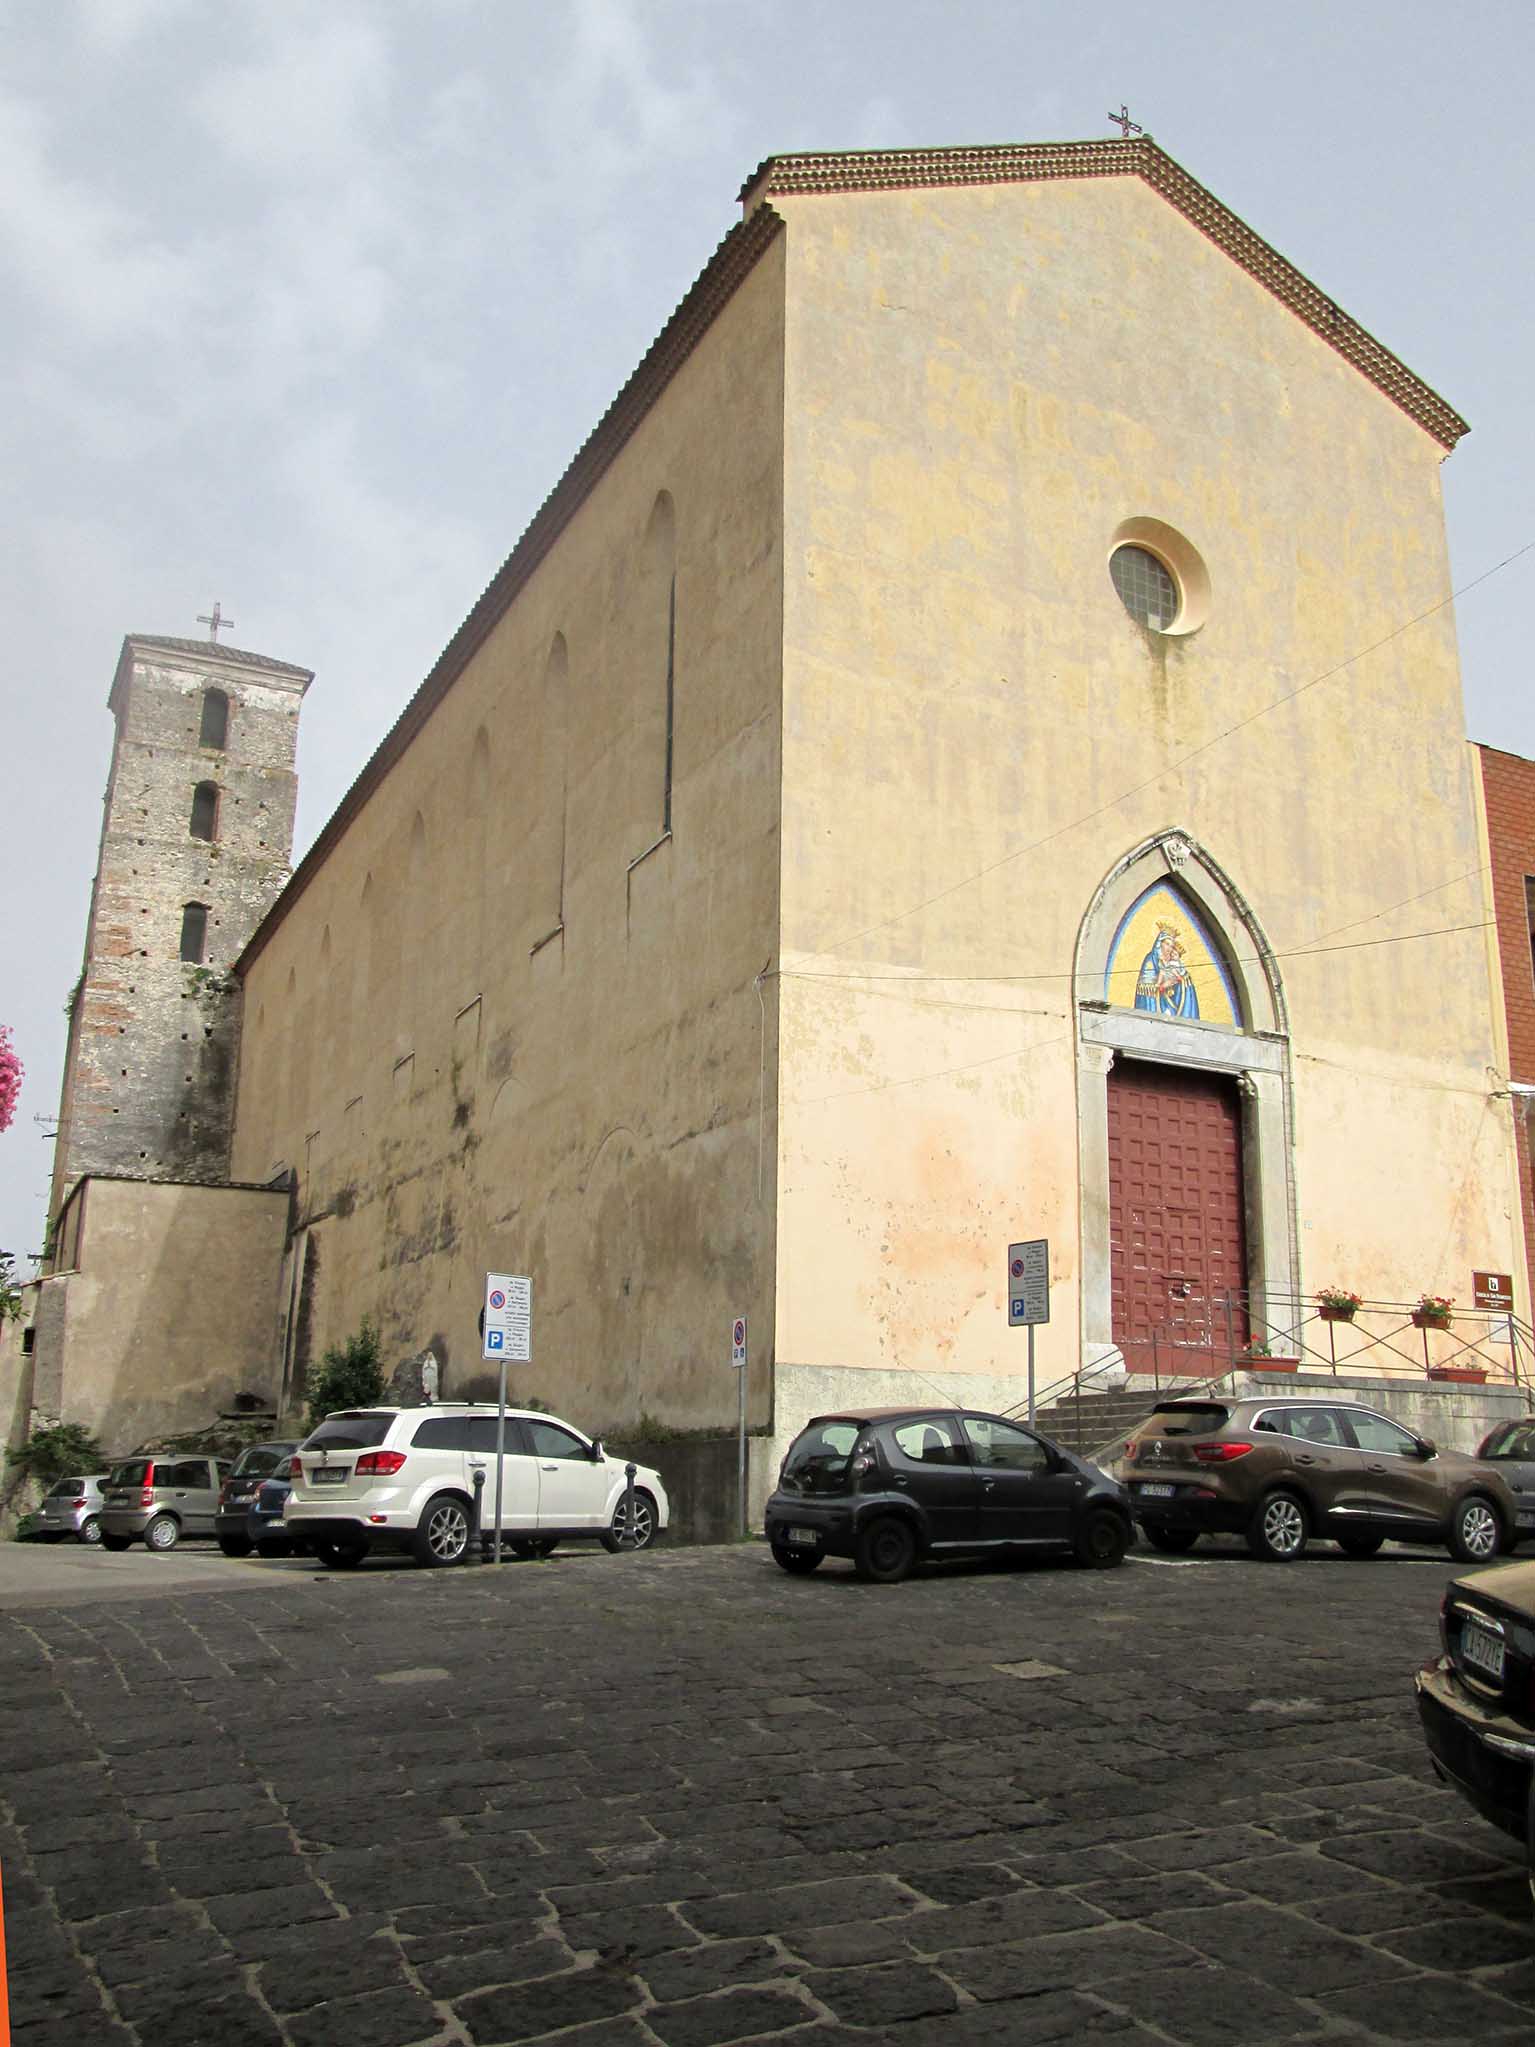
pixel 681 1800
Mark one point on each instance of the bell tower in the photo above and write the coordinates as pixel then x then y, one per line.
pixel 196 841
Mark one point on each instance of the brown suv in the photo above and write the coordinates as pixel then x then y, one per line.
pixel 1281 1471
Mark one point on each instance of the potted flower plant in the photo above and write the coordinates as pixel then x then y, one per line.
pixel 1432 1312
pixel 1260 1356
pixel 1337 1304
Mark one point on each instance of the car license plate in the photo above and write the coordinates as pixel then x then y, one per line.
pixel 1156 1492
pixel 1483 1651
pixel 804 1538
pixel 330 1474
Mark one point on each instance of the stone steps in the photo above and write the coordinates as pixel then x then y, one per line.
pixel 1098 1419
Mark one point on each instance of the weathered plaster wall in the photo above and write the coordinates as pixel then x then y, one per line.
pixel 981 385
pixel 169 1312
pixel 510 1023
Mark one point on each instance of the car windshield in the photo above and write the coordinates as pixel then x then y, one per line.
pixel 68 1489
pixel 1185 1418
pixel 1515 1440
pixel 262 1459
pixel 348 1432
pixel 134 1472
pixel 817 1459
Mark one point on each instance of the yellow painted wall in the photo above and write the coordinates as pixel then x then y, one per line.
pixel 462 1085
pixel 982 384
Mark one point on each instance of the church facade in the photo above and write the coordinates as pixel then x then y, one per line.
pixel 972 750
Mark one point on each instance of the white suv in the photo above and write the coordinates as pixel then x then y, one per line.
pixel 405 1478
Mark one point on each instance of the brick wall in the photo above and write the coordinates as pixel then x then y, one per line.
pixel 150 1069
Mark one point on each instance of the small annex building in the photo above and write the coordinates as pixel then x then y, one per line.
pixel 972 749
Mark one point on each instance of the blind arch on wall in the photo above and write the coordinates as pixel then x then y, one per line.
pixel 194 933
pixel 214 729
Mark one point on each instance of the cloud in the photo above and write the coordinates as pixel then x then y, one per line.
pixel 86 258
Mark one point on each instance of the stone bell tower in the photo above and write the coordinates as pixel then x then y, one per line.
pixel 196 842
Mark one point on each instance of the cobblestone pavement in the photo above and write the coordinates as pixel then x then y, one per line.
pixel 683 1799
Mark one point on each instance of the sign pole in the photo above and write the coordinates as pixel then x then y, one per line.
pixel 1028 1294
pixel 738 1361
pixel 500 1455
pixel 507 1323
pixel 741 1452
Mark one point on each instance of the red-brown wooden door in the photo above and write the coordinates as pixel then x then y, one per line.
pixel 1176 1238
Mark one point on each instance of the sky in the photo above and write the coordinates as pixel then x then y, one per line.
pixel 308 306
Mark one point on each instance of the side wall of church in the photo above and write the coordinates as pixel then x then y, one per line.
pixel 511 1022
pixel 984 386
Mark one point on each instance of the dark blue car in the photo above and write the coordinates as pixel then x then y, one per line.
pixel 264 1523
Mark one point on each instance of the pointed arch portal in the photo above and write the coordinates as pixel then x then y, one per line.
pixel 1184 1115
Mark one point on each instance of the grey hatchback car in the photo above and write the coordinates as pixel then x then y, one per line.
pixel 1282 1471
pixel 161 1499
pixel 72 1510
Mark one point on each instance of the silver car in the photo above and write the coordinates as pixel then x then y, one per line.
pixel 161 1499
pixel 72 1510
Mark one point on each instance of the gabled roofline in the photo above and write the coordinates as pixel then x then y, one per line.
pixel 886 170
pixel 732 262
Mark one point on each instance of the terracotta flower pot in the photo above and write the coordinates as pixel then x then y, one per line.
pixel 1336 1314
pixel 1272 1364
pixel 1462 1375
pixel 1430 1318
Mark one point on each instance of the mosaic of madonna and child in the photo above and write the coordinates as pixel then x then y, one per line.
pixel 1162 961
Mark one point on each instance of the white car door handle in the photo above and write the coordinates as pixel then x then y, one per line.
pixel 548 1467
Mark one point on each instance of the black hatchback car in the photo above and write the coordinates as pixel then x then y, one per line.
pixel 887 1487
pixel 1477 1700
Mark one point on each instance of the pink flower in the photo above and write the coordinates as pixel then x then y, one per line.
pixel 11 1070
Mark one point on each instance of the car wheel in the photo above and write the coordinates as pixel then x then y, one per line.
pixel 274 1546
pixel 533 1546
pixel 162 1534
pixel 442 1533
pixel 1476 1534
pixel 642 1534
pixel 341 1556
pixel 1277 1531
pixel 1101 1541
pixel 236 1545
pixel 885 1550
pixel 1173 1540
pixel 90 1530
pixel 1360 1545
pixel 113 1542
pixel 798 1562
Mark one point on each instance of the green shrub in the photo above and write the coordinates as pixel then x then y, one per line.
pixel 348 1375
pixel 64 1451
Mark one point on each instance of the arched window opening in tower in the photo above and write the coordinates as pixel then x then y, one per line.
pixel 205 811
pixel 194 932
pixel 215 725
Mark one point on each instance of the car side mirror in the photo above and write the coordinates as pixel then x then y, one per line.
pixel 596 1452
pixel 1427 1447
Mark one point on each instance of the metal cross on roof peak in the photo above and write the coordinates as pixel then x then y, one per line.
pixel 214 621
pixel 1124 124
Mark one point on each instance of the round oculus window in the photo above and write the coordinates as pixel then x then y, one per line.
pixel 1146 589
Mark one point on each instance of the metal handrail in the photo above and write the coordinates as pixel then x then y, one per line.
pixel 1517 1335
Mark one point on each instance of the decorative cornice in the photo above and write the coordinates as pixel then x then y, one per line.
pixel 734 259
pixel 884 170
